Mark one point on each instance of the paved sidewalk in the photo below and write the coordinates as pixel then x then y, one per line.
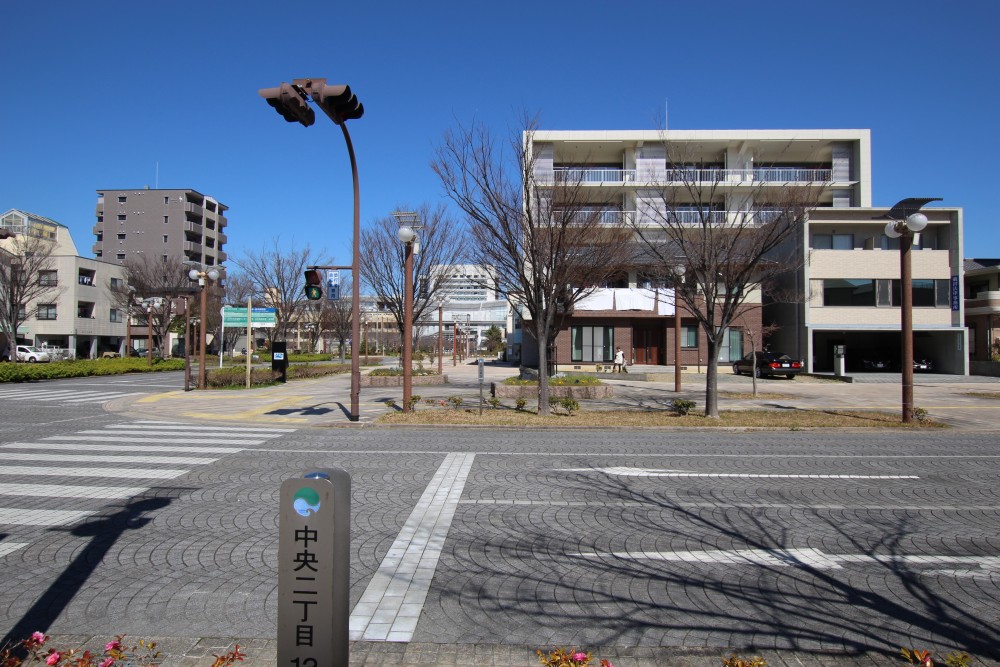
pixel 325 402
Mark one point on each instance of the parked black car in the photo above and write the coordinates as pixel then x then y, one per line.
pixel 769 363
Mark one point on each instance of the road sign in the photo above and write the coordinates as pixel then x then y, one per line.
pixel 332 285
pixel 264 318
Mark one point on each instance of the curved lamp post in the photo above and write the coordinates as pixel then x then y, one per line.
pixel 202 277
pixel 905 220
pixel 678 276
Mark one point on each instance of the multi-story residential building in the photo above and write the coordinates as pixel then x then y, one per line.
pixel 982 313
pixel 159 224
pixel 843 268
pixel 78 312
pixel 468 305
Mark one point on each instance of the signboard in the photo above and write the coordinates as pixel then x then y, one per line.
pixel 954 293
pixel 332 285
pixel 314 569
pixel 264 318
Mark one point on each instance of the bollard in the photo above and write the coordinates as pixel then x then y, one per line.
pixel 314 569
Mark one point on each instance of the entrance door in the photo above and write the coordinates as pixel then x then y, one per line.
pixel 647 341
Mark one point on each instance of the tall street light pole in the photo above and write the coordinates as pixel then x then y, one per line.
pixel 202 277
pixel 409 224
pixel 440 338
pixel 149 335
pixel 340 105
pixel 678 277
pixel 905 219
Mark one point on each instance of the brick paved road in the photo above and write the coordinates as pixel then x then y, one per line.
pixel 809 541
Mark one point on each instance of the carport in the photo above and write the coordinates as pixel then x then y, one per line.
pixel 944 347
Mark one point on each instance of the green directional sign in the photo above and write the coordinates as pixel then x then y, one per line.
pixel 237 317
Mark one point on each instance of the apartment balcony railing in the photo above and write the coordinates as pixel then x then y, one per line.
pixel 582 175
pixel 192 247
pixel 194 210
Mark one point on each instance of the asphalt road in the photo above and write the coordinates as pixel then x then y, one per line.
pixel 807 541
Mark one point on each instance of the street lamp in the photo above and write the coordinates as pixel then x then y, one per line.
pixel 409 225
pixel 149 335
pixel 678 277
pixel 340 105
pixel 905 220
pixel 202 276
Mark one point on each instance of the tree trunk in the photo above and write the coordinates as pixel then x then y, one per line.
pixel 543 374
pixel 712 380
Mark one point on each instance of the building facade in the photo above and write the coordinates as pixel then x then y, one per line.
pixel 841 266
pixel 157 224
pixel 78 312
pixel 982 313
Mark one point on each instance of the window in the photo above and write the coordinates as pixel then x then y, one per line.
pixel 848 292
pixel 120 257
pixel 893 244
pixel 22 313
pixel 99 253
pixel 116 315
pixel 46 311
pixel 117 283
pixel 86 277
pixel 927 293
pixel 689 336
pixel 166 200
pixel 833 241
pixel 164 238
pixel 593 343
pixel 100 237
pixel 122 199
pixel 121 217
pixel 166 219
pixel 48 278
pixel 121 236
pixel 85 309
pixel 731 347
pixel 163 259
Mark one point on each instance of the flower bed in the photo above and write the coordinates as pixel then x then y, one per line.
pixel 397 380
pixel 578 392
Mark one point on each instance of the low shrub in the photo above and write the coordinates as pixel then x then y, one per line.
pixel 455 401
pixel 398 372
pixel 520 403
pixel 116 653
pixel 557 381
pixel 494 402
pixel 233 377
pixel 570 405
pixel 303 371
pixel 682 406
pixel 24 372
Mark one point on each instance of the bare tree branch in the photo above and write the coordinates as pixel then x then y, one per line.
pixel 27 276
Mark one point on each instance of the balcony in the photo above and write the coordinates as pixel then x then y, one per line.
pixel 223 221
pixel 193 210
pixel 603 175
pixel 223 239
pixel 983 303
pixel 192 247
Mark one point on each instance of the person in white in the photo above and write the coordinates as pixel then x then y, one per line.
pixel 620 361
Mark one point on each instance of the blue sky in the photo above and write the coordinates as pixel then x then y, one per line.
pixel 128 93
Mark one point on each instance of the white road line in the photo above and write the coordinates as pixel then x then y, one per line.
pixel 10 516
pixel 76 437
pixel 136 448
pixel 115 473
pixel 198 427
pixel 667 504
pixel 99 397
pixel 95 458
pixel 71 491
pixel 645 472
pixel 11 547
pixel 391 604
pixel 811 558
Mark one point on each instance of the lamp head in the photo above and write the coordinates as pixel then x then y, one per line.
pixel 916 222
pixel 890 230
pixel 193 274
pixel 213 274
pixel 406 233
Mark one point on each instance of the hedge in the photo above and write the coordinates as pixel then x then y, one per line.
pixel 27 372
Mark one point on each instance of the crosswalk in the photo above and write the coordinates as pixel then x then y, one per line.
pixel 114 463
pixel 59 396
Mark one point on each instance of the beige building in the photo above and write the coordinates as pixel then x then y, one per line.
pixel 77 312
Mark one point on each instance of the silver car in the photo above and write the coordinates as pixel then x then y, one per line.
pixel 31 354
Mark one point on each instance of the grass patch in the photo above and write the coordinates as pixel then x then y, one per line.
pixel 984 394
pixel 748 395
pixel 782 419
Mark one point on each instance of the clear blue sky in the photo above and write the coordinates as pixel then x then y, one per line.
pixel 97 94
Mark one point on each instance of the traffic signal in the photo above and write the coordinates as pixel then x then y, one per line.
pixel 314 289
pixel 338 102
pixel 290 102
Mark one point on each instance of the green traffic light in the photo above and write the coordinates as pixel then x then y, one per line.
pixel 314 292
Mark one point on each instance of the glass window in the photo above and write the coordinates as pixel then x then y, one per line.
pixel 46 311
pixel 844 292
pixel 121 216
pixel 48 278
pixel 121 199
pixel 117 283
pixel 731 348
pixel 689 336
pixel 833 241
pixel 593 343
pixel 116 315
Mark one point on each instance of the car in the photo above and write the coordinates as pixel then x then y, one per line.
pixel 769 363
pixel 922 364
pixel 876 364
pixel 29 353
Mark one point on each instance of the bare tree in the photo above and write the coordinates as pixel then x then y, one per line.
pixel 150 290
pixel 731 240
pixel 277 278
pixel 383 260
pixel 27 274
pixel 335 319
pixel 235 292
pixel 545 241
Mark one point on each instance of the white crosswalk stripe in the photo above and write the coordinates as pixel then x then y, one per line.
pixel 136 454
pixel 59 395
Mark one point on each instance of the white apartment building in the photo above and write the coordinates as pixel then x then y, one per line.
pixel 848 273
pixel 78 312
pixel 467 303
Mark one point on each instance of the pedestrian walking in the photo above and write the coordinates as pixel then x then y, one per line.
pixel 620 361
